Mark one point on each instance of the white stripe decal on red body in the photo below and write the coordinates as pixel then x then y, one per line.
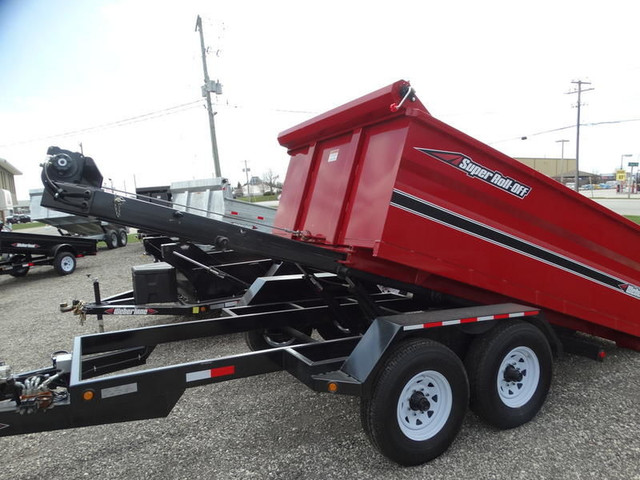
pixel 431 211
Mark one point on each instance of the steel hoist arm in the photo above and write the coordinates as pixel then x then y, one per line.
pixel 92 201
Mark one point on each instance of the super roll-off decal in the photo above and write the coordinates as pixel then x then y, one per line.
pixel 476 170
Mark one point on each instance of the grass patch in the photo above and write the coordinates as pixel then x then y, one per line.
pixel 633 218
pixel 24 226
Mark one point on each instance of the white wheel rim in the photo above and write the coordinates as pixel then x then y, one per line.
pixel 516 393
pixel 418 424
pixel 66 264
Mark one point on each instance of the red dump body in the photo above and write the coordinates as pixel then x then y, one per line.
pixel 411 198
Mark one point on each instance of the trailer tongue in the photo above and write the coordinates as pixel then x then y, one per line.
pixel 488 268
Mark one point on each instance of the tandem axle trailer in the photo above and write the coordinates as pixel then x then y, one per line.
pixel 409 271
pixel 80 388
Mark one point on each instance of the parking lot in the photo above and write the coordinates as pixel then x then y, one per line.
pixel 273 427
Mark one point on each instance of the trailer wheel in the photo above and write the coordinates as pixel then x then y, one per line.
pixel 418 402
pixel 510 369
pixel 64 263
pixel 123 237
pixel 17 270
pixel 270 338
pixel 111 239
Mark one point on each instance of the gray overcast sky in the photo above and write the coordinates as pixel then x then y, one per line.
pixel 497 70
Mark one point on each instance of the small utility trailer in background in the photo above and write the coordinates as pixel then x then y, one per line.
pixel 437 272
pixel 21 251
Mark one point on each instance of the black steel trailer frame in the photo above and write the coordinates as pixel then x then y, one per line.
pixel 203 280
pixel 21 251
pixel 84 393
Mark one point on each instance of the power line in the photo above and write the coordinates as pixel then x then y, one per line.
pixel 118 123
pixel 524 137
pixel 610 122
pixel 147 116
pixel 277 110
pixel 543 132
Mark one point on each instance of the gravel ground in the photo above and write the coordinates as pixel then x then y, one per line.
pixel 273 427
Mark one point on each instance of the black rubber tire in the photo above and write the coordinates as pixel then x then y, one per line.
pixel 364 417
pixel 265 339
pixel 380 413
pixel 483 363
pixel 64 263
pixel 18 270
pixel 111 239
pixel 123 237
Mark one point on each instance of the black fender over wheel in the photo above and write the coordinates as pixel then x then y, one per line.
pixel 64 263
pixel 509 369
pixel 418 402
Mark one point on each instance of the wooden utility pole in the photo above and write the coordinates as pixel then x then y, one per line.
pixel 579 91
pixel 207 88
pixel 246 170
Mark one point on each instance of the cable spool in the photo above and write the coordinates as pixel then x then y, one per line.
pixel 70 167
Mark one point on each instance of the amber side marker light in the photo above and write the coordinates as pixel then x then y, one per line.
pixel 88 395
pixel 332 387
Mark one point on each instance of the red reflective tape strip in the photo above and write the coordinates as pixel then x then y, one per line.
pixel 501 316
pixel 234 213
pixel 468 320
pixel 260 218
pixel 222 371
pixel 431 325
pixel 211 373
pixel 531 313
